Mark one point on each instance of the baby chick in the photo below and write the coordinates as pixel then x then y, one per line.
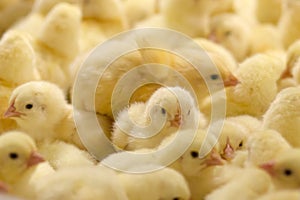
pixel 40 109
pixel 85 183
pixel 265 145
pixel 288 23
pixel 19 163
pixel 166 110
pixel 284 169
pixel 165 183
pixel 257 88
pixel 283 115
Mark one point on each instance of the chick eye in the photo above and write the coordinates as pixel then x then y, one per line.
pixel 214 76
pixel 241 144
pixel 176 198
pixel 163 111
pixel 194 154
pixel 189 112
pixel 227 33
pixel 28 106
pixel 288 172
pixel 13 156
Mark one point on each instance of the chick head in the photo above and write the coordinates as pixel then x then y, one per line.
pixel 17 154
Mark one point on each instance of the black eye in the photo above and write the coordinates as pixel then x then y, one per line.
pixel 288 172
pixel 214 76
pixel 227 33
pixel 194 154
pixel 176 198
pixel 189 112
pixel 241 144
pixel 163 111
pixel 13 156
pixel 28 106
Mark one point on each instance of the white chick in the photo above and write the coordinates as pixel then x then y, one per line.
pixel 165 183
pixel 283 115
pixel 19 163
pixel 266 15
pixel 85 183
pixel 257 88
pixel 173 106
pixel 281 195
pixel 248 184
pixel 17 66
pixel 40 109
pixel 288 23
pixel 63 155
pixel 232 32
pixel 284 169
pixel 58 34
pixel 265 145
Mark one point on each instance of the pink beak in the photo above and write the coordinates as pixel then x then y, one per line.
pixel 268 167
pixel 214 159
pixel 228 151
pixel 231 81
pixel 11 111
pixel 176 122
pixel 34 159
pixel 3 187
pixel 212 37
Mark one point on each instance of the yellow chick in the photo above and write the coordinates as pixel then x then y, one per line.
pixel 85 183
pixel 165 184
pixel 281 195
pixel 288 23
pixel 167 110
pixel 19 163
pixel 264 145
pixel 266 15
pixel 17 66
pixel 284 169
pixel 248 184
pixel 257 88
pixel 40 109
pixel 283 115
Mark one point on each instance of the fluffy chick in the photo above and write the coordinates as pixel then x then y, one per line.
pixel 173 106
pixel 257 88
pixel 86 183
pixel 165 183
pixel 19 159
pixel 284 169
pixel 40 109
pixel 283 115
pixel 261 149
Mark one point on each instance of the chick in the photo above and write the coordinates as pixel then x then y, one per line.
pixel 40 109
pixel 248 184
pixel 284 169
pixel 165 184
pixel 232 32
pixel 281 195
pixel 283 115
pixel 17 66
pixel 288 23
pixel 19 163
pixel 264 145
pixel 173 106
pixel 266 15
pixel 86 183
pixel 257 88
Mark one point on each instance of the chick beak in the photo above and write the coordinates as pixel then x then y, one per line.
pixel 214 159
pixel 176 122
pixel 3 188
pixel 212 37
pixel 34 159
pixel 228 151
pixel 231 81
pixel 11 111
pixel 286 74
pixel 268 167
